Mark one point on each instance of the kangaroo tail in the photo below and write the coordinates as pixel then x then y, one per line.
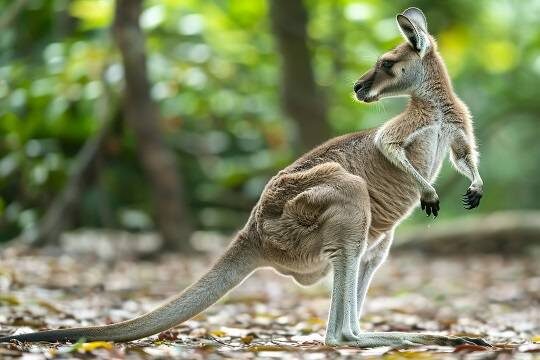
pixel 231 269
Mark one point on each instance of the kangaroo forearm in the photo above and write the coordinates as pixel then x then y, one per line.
pixel 463 168
pixel 464 155
pixel 466 164
pixel 397 156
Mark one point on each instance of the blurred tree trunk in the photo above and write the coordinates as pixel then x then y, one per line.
pixel 142 115
pixel 301 97
pixel 59 214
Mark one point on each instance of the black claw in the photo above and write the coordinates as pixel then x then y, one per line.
pixel 471 199
pixel 430 207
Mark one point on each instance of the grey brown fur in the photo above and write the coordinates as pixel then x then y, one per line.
pixel 338 205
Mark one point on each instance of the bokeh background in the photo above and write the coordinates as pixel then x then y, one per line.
pixel 241 88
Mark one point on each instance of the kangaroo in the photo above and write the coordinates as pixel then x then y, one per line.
pixel 337 206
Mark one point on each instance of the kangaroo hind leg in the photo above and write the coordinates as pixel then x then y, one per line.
pixel 345 232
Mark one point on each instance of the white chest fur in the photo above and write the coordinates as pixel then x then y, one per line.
pixel 434 140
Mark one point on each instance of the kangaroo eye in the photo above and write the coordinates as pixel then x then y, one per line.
pixel 387 64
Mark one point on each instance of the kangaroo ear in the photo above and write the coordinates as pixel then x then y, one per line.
pixel 413 26
pixel 417 17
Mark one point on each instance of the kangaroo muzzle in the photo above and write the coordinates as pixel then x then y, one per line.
pixel 362 87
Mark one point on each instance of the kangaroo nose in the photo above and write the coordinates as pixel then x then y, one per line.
pixel 357 87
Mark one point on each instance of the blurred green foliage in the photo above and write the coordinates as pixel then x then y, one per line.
pixel 215 74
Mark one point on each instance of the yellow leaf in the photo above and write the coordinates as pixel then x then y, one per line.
pixel 536 339
pixel 47 305
pixel 207 347
pixel 90 346
pixel 259 348
pixel 316 321
pixel 52 353
pixel 9 299
pixel 247 339
pixel 218 333
pixel 409 355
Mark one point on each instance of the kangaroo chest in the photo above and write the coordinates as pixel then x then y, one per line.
pixel 427 147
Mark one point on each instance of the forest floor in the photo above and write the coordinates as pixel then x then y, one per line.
pixel 268 316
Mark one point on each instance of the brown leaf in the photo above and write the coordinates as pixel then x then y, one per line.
pixel 259 348
pixel 169 335
pixel 469 348
pixel 247 339
pixel 218 333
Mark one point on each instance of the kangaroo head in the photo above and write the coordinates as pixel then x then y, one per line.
pixel 403 69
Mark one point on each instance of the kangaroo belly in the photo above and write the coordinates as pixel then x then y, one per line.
pixel 392 194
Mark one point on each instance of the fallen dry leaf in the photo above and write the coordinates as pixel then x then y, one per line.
pixel 469 348
pixel 248 339
pixel 269 315
pixel 261 348
pixel 169 335
pixel 91 346
pixel 11 300
pixel 218 333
